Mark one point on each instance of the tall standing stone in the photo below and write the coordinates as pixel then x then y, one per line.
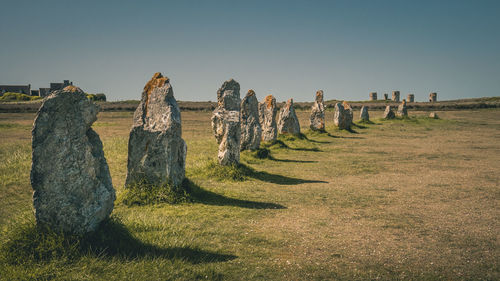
pixel 343 116
pixel 72 186
pixel 251 132
pixel 432 97
pixel 267 118
pixel 317 118
pixel 226 123
pixel 411 98
pixel 373 96
pixel 288 123
pixel 156 150
pixel 395 96
pixel 363 115
pixel 388 113
pixel 402 111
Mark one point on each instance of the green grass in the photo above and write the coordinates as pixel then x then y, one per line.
pixel 397 199
pixel 15 97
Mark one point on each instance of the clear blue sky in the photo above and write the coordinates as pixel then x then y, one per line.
pixel 286 48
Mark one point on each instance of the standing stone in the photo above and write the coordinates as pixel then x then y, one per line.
pixel 388 113
pixel 411 98
pixel 251 132
pixel 433 115
pixel 373 96
pixel 267 118
pixel 395 96
pixel 156 150
pixel 386 96
pixel 317 118
pixel 363 115
pixel 402 111
pixel 69 175
pixel 226 123
pixel 343 116
pixel 288 123
pixel 433 97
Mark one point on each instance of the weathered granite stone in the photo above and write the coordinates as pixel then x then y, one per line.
pixel 388 113
pixel 69 175
pixel 251 132
pixel 288 123
pixel 386 96
pixel 317 118
pixel 373 96
pixel 395 96
pixel 411 98
pixel 343 116
pixel 363 115
pixel 432 97
pixel 267 118
pixel 402 111
pixel 433 115
pixel 226 123
pixel 156 150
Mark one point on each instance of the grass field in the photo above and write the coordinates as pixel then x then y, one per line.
pixel 403 199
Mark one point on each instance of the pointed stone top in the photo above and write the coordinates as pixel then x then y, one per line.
pixel 270 101
pixel 403 102
pixel 319 96
pixel 156 81
pixel 72 89
pixel 250 93
pixel 346 105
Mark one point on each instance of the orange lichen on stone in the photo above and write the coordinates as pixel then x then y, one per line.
pixel 71 89
pixel 157 81
pixel 251 92
pixel 289 103
pixel 403 102
pixel 269 101
pixel 346 105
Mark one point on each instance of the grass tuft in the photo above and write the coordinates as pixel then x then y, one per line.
pixel 144 193
pixel 212 169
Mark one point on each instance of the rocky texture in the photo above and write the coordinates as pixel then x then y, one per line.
pixel 410 98
pixel 156 150
pixel 70 177
pixel 363 115
pixel 317 118
pixel 433 115
pixel 267 118
pixel 373 96
pixel 432 97
pixel 343 116
pixel 402 111
pixel 288 123
pixel 226 123
pixel 395 96
pixel 388 113
pixel 251 132
pixel 386 96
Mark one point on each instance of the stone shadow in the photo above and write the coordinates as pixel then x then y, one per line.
pixel 112 240
pixel 198 194
pixel 279 179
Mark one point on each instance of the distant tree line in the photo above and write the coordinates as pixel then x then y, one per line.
pixel 96 97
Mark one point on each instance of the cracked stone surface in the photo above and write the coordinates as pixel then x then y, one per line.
pixel 251 132
pixel 267 118
pixel 317 118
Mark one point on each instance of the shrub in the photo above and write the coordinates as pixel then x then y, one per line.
pixel 144 193
pixel 96 97
pixel 9 96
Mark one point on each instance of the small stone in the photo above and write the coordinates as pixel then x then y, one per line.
pixel 226 123
pixel 395 96
pixel 251 132
pixel 433 115
pixel 411 98
pixel 288 123
pixel 267 118
pixel 388 113
pixel 156 150
pixel 432 97
pixel 386 96
pixel 373 96
pixel 317 118
pixel 343 115
pixel 70 177
pixel 402 111
pixel 363 115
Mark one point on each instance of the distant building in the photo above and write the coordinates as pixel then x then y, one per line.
pixel 23 89
pixel 35 92
pixel 43 92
